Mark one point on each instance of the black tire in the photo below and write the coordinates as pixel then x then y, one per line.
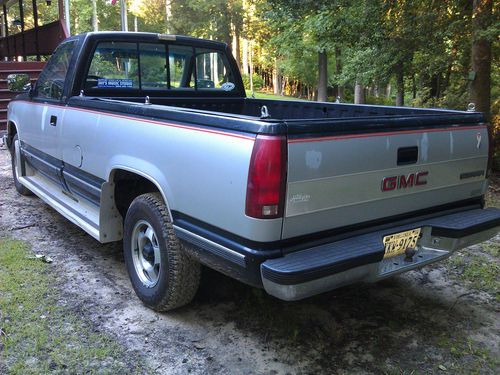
pixel 21 189
pixel 178 276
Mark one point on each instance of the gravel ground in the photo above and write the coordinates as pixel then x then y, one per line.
pixel 434 320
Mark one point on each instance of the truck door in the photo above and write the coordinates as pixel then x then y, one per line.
pixel 41 124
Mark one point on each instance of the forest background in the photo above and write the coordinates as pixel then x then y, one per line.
pixel 423 53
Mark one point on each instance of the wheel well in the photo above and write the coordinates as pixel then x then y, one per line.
pixel 128 186
pixel 11 132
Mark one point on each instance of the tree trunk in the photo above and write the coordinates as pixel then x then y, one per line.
pixel 400 86
pixel 338 71
pixel 246 70
pixel 237 54
pixel 322 76
pixel 276 79
pixel 359 93
pixel 480 88
pixel 168 15
pixel 414 87
pixel 250 66
pixel 95 21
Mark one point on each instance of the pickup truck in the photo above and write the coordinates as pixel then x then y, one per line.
pixel 150 139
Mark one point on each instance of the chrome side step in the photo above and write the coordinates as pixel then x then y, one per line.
pixel 79 213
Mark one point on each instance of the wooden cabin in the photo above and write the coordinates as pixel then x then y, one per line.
pixel 30 31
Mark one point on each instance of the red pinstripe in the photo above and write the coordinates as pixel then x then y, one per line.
pixel 155 122
pixel 382 134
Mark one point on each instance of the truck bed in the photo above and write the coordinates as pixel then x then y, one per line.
pixel 299 117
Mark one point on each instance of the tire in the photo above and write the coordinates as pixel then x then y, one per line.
pixel 21 189
pixel 163 276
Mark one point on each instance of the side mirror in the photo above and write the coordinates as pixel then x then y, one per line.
pixel 19 82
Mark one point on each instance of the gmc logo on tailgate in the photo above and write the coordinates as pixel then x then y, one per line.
pixel 404 182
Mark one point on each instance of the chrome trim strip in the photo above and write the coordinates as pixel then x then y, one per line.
pixel 51 166
pixel 211 246
pixel 79 180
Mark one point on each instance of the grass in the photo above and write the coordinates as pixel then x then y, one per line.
pixel 38 336
pixel 472 359
pixel 483 274
pixel 481 267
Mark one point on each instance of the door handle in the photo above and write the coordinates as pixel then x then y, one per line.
pixel 53 120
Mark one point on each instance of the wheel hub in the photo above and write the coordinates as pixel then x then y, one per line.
pixel 146 254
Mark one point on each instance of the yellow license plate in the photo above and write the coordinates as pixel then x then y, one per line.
pixel 397 243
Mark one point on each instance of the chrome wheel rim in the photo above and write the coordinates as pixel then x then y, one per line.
pixel 146 253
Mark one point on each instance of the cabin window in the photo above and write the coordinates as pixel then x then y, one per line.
pixel 50 84
pixel 114 66
pixel 118 66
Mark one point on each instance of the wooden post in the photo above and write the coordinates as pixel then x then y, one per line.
pixel 3 26
pixel 21 15
pixel 6 28
pixel 35 19
pixel 66 15
pixel 60 5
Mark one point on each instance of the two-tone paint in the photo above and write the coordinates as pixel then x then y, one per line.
pixel 197 152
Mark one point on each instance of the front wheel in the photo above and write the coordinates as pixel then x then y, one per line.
pixel 162 274
pixel 21 189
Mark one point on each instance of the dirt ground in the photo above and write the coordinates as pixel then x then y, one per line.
pixel 434 320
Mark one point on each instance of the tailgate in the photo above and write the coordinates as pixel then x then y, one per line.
pixel 340 180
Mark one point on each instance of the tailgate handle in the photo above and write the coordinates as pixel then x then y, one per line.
pixel 407 155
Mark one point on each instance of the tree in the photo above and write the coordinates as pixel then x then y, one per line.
pixel 480 88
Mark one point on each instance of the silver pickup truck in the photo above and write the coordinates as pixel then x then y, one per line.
pixel 150 139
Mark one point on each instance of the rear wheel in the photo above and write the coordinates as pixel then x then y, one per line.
pixel 162 274
pixel 21 189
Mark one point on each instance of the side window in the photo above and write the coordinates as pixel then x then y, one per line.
pixel 180 59
pixel 153 58
pixel 212 71
pixel 50 84
pixel 114 66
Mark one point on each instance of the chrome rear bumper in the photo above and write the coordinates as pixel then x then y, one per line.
pixel 361 258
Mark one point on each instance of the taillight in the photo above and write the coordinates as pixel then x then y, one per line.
pixel 491 150
pixel 267 178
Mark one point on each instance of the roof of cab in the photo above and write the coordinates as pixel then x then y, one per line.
pixel 152 37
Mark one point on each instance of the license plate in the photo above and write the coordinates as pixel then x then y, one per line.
pixel 397 243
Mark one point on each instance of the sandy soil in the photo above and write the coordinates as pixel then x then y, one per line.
pixel 427 321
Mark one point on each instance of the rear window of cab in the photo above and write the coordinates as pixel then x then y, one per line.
pixel 157 66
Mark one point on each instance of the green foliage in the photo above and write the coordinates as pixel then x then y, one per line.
pixel 258 82
pixel 428 42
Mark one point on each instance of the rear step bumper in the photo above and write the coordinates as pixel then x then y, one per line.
pixel 361 258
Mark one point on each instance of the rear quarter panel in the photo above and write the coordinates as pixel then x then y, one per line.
pixel 201 172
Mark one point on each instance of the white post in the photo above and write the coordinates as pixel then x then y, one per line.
pixel 168 15
pixel 95 21
pixel 123 13
pixel 66 15
pixel 251 66
pixel 245 56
